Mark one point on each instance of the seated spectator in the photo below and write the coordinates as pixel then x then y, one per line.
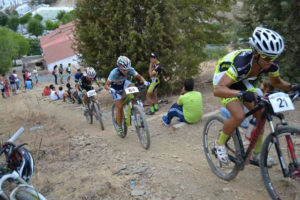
pixel 70 93
pixel 61 92
pixel 188 107
pixel 46 91
pixel 53 93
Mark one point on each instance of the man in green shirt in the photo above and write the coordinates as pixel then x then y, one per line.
pixel 188 107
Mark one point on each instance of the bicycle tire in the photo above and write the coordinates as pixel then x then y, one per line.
pixel 124 126
pixel 209 150
pixel 99 115
pixel 145 143
pixel 89 116
pixel 25 195
pixel 275 183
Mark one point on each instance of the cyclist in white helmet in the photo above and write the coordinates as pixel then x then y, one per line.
pixel 85 82
pixel 117 80
pixel 233 79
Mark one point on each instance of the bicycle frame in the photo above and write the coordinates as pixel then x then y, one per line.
pixel 257 131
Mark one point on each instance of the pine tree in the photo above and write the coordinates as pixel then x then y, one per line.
pixel 135 28
pixel 283 17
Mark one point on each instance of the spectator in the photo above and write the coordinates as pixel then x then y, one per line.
pixel 46 91
pixel 2 85
pixel 61 73
pixel 54 73
pixel 53 93
pixel 28 80
pixel 12 81
pixel 61 92
pixel 24 70
pixel 70 93
pixel 68 70
pixel 78 75
pixel 17 79
pixel 188 107
pixel 6 87
pixel 35 74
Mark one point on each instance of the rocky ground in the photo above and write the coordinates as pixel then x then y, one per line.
pixel 76 160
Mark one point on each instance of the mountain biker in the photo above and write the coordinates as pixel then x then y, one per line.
pixel 117 80
pixel 154 72
pixel 232 87
pixel 85 82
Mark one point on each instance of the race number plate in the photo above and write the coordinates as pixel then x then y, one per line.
pixel 91 93
pixel 131 90
pixel 281 102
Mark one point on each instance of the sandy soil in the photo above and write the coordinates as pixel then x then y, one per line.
pixel 76 160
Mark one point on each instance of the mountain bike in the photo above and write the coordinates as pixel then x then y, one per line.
pixel 92 107
pixel 15 171
pixel 282 143
pixel 132 109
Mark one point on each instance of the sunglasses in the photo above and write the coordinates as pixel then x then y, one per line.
pixel 272 58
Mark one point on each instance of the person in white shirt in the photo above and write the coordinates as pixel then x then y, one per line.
pixel 53 93
pixel 35 73
pixel 61 92
pixel 17 79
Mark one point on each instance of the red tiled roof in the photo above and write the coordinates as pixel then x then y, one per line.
pixel 58 44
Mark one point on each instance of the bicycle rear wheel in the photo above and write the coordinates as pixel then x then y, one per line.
pixel 278 186
pixel 114 120
pixel 98 114
pixel 211 132
pixel 141 127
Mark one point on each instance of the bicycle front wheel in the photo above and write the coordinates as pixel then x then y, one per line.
pixel 98 114
pixel 114 120
pixel 141 126
pixel 278 186
pixel 212 128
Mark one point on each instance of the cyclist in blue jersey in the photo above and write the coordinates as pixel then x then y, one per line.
pixel 117 80
pixel 233 79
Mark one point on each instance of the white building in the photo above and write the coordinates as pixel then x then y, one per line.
pixel 11 3
pixel 23 9
pixel 50 13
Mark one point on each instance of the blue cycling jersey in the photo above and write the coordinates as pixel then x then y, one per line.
pixel 116 76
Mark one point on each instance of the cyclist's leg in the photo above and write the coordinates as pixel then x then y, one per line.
pixel 119 112
pixel 156 107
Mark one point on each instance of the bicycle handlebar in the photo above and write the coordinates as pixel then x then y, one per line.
pixel 16 135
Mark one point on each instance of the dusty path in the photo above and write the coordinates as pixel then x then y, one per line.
pixel 79 161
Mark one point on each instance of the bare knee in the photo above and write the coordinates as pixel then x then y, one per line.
pixel 239 117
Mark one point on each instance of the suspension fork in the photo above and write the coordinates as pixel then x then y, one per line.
pixel 292 150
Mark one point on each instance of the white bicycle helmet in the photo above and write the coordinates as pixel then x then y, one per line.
pixel 267 42
pixel 90 72
pixel 123 63
pixel 22 161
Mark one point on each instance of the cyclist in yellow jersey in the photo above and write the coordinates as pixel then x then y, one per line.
pixel 233 79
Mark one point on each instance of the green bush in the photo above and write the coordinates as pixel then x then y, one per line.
pixel 215 52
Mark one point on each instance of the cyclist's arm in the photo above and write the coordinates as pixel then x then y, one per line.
pixel 138 76
pixel 279 83
pixel 151 71
pixel 222 89
pixel 107 85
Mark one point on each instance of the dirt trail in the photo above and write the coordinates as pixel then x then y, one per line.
pixel 77 160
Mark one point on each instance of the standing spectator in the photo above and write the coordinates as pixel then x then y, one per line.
pixel 6 85
pixel 12 81
pixel 154 72
pixel 61 73
pixel 17 79
pixel 68 70
pixel 28 79
pixel 78 75
pixel 54 73
pixel 24 70
pixel 2 85
pixel 188 107
pixel 35 74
